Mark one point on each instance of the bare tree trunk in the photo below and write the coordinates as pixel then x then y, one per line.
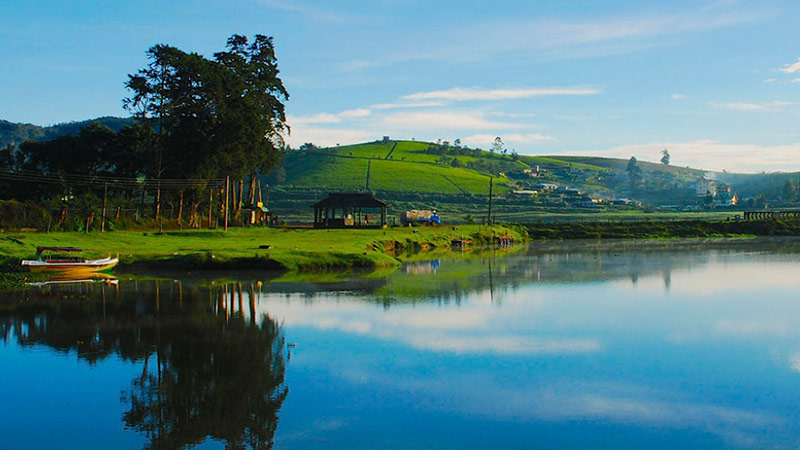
pixel 180 208
pixel 105 201
pixel 89 221
pixel 64 216
pixel 251 196
pixel 210 205
pixel 239 204
pixel 158 202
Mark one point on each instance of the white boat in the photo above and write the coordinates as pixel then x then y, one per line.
pixel 45 262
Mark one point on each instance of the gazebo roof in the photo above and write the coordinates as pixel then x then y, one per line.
pixel 350 200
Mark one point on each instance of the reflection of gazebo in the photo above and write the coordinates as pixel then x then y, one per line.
pixel 345 210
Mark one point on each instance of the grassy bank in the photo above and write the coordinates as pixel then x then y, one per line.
pixel 288 249
pixel 663 229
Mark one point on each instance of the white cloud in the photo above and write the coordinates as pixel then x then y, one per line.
pixel 406 105
pixel 774 106
pixel 328 137
pixel 559 39
pixel 769 80
pixel 445 120
pixel 462 94
pixel 791 68
pixel 358 65
pixel 302 9
pixel 796 80
pixel 677 96
pixel 361 112
pixel 294 121
pixel 712 155
pixel 316 118
pixel 487 139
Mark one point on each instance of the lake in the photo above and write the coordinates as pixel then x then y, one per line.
pixel 564 345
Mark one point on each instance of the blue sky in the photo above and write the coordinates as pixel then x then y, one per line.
pixel 717 83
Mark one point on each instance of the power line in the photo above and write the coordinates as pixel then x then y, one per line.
pixel 31 176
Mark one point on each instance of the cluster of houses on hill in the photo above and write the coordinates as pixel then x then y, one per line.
pixel 719 194
pixel 558 194
pixel 707 191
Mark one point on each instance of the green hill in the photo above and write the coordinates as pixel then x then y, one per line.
pixel 15 133
pixel 397 166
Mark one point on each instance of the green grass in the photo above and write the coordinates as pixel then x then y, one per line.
pixel 294 249
pixel 350 173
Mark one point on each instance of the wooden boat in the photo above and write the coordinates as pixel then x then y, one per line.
pixel 71 264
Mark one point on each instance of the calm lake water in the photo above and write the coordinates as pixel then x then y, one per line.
pixel 670 344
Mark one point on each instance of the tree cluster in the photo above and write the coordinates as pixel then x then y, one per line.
pixel 214 117
pixel 195 118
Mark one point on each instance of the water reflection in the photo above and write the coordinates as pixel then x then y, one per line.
pixel 210 368
pixel 674 344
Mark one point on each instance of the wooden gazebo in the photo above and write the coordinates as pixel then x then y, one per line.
pixel 350 210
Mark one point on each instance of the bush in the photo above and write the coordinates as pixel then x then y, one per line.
pixel 14 214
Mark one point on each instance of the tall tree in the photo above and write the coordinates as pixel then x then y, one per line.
pixel 634 172
pixel 665 157
pixel 214 117
pixel 497 145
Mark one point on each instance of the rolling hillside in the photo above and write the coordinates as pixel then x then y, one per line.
pixel 423 167
pixel 398 166
pixel 15 133
pixel 455 179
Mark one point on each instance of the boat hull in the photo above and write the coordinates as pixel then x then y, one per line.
pixel 95 265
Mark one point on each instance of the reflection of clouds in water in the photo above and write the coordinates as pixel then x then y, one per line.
pixel 476 327
pixel 715 279
pixel 613 402
pixel 315 431
pixel 794 362
pixel 766 325
pixel 505 344
pixel 437 319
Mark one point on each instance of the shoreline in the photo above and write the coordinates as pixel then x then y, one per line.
pixel 322 250
pixel 268 249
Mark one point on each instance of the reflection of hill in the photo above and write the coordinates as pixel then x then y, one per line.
pixel 567 262
pixel 210 369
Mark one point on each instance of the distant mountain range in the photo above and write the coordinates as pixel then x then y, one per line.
pixel 15 133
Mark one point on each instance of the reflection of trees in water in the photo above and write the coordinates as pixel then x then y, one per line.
pixel 210 369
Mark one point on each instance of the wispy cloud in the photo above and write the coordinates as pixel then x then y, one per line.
pixel 796 80
pixel 775 106
pixel 316 118
pixel 303 9
pixel 360 112
pixel 560 39
pixel 514 138
pixel 328 137
pixel 791 68
pixel 677 96
pixel 464 94
pixel 769 80
pixel 406 105
pixel 446 120
pixel 712 155
pixel 327 117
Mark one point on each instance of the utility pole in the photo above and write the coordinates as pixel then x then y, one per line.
pixel 489 219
